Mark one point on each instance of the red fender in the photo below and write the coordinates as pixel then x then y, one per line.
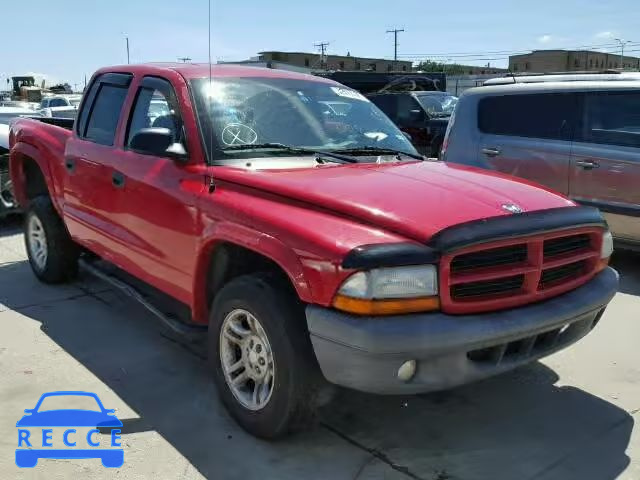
pixel 250 239
pixel 16 159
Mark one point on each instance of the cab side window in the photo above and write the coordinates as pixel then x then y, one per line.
pixel 103 121
pixel 102 107
pixel 612 118
pixel 155 107
pixel 550 115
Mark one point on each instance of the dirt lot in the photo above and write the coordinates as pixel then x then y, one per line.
pixel 568 417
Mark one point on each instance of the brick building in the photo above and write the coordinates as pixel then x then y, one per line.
pixel 544 61
pixel 314 61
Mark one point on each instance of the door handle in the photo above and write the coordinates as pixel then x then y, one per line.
pixel 117 179
pixel 587 164
pixel 491 151
pixel 70 164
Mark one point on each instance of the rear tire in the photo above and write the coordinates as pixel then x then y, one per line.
pixel 7 201
pixel 262 310
pixel 52 254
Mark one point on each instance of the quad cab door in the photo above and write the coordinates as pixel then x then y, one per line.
pixel 605 170
pixel 528 136
pixel 157 193
pixel 88 205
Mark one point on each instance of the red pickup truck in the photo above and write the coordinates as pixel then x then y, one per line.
pixel 292 218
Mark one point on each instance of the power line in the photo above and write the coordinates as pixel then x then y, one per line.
pixel 610 46
pixel 395 32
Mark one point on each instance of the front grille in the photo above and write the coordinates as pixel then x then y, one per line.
pixel 553 276
pixel 490 258
pixel 489 287
pixel 564 245
pixel 491 277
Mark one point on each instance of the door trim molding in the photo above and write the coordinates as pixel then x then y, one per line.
pixel 606 207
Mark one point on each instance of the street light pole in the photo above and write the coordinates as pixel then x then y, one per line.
pixel 622 44
pixel 127 39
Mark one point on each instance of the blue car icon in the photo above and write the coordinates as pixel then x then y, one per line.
pixel 98 418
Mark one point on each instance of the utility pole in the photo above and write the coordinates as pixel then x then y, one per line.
pixel 622 44
pixel 444 65
pixel 323 48
pixel 184 59
pixel 395 32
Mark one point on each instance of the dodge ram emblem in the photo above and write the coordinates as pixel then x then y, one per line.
pixel 512 208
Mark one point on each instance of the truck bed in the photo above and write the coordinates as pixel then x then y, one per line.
pixel 49 137
pixel 66 123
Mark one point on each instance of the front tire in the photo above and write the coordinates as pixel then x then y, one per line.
pixel 261 356
pixel 52 254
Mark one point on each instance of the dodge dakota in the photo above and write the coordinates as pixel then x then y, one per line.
pixel 288 215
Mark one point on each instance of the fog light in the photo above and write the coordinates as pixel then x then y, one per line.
pixel 407 370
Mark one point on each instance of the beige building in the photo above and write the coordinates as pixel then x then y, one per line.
pixel 477 70
pixel 314 61
pixel 544 61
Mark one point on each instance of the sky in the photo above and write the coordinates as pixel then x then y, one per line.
pixel 64 40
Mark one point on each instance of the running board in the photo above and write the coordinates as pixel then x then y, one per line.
pixel 189 332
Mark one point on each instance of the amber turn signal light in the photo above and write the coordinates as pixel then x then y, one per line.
pixel 360 306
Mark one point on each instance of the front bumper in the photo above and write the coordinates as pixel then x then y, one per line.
pixel 365 353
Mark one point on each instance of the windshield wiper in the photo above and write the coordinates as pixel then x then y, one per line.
pixel 378 150
pixel 290 148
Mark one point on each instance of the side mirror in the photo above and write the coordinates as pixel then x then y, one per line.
pixel 157 141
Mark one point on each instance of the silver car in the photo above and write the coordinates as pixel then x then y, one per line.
pixel 577 134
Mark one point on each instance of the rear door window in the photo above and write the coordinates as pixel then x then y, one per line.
pixel 612 118
pixel 102 106
pixel 548 116
pixel 101 127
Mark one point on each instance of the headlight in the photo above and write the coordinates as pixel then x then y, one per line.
pixel 607 245
pixel 386 291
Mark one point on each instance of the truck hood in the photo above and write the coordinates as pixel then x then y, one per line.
pixel 416 199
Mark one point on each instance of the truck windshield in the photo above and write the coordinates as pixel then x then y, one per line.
pixel 308 114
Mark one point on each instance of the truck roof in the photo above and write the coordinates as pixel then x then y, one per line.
pixel 610 76
pixel 201 70
pixel 551 87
